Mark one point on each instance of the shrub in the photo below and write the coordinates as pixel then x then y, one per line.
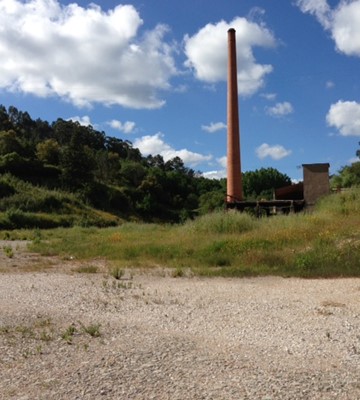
pixel 223 222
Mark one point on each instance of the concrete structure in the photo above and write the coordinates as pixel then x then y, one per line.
pixel 316 182
pixel 234 178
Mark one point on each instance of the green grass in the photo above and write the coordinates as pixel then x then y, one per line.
pixel 24 205
pixel 325 243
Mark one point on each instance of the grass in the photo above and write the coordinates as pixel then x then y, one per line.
pixel 116 272
pixel 324 243
pixel 87 269
pixel 29 206
pixel 8 251
pixel 93 329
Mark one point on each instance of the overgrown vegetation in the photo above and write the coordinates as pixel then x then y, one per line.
pixel 65 174
pixel 325 243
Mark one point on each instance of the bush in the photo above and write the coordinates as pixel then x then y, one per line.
pixel 223 222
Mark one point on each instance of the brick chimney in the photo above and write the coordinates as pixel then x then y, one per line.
pixel 234 178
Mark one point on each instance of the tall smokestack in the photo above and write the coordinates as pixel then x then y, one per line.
pixel 234 178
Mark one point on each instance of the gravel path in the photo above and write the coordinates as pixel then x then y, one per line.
pixel 178 338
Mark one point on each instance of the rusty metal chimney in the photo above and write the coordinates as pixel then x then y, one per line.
pixel 234 178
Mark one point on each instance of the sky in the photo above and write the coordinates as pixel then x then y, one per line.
pixel 154 72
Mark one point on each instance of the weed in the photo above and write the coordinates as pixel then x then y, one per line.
pixel 178 272
pixel 93 329
pixel 68 334
pixel 37 236
pixel 8 251
pixel 87 269
pixel 45 336
pixel 25 331
pixel 116 272
pixel 124 285
pixel 325 243
pixel 4 330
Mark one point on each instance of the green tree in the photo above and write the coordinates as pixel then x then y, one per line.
pixel 348 176
pixel 9 143
pixel 262 182
pixel 48 151
pixel 77 164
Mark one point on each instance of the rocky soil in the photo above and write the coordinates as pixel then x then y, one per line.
pixel 67 334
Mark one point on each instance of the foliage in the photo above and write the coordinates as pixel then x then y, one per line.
pixel 347 177
pixel 65 170
pixel 260 184
pixel 323 243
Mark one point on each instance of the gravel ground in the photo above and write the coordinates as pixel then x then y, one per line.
pixel 177 338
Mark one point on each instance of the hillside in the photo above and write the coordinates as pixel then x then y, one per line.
pixel 64 174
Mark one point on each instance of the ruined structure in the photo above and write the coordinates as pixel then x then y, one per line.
pixel 316 182
pixel 291 198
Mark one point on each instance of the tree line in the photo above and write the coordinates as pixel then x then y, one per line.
pixel 109 174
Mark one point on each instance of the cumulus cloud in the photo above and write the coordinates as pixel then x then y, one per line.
pixel 214 174
pixel 276 152
pixel 85 120
pixel 83 55
pixel 214 127
pixel 319 8
pixel 206 53
pixel 354 160
pixel 155 144
pixel 345 116
pixel 280 109
pixel 222 161
pixel 125 127
pixel 343 22
pixel 218 174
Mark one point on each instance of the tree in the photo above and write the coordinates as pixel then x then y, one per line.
pixel 9 143
pixel 48 151
pixel 77 164
pixel 262 182
pixel 348 176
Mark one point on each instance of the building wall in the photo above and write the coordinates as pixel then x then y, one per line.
pixel 316 182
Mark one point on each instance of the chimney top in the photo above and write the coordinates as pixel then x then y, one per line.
pixel 231 30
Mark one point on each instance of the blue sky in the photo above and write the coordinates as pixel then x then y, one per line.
pixel 154 72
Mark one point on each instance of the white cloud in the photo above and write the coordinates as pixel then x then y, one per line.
pixel 156 145
pixel 84 121
pixel 354 160
pixel 268 96
pixel 345 116
pixel 214 174
pixel 329 84
pixel 207 53
pixel 319 8
pixel 222 161
pixel 280 109
pixel 218 174
pixel 125 127
pixel 346 27
pixel 214 127
pixel 83 55
pixel 276 152
pixel 343 22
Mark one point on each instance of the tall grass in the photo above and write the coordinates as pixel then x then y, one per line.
pixel 23 205
pixel 324 243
